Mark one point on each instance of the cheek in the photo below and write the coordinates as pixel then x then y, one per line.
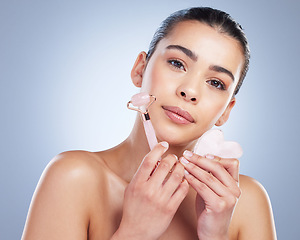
pixel 149 79
pixel 213 106
pixel 156 81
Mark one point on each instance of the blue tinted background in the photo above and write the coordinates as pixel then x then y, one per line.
pixel 65 80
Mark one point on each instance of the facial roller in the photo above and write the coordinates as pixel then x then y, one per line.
pixel 142 101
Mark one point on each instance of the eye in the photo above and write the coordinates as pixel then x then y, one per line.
pixel 217 84
pixel 176 64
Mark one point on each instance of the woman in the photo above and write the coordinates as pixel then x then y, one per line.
pixel 195 66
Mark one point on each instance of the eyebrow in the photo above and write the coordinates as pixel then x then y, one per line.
pixel 220 69
pixel 186 51
pixel 194 57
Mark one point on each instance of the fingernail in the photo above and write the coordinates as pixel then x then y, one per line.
pixel 184 161
pixel 164 144
pixel 209 156
pixel 187 154
pixel 175 156
pixel 186 172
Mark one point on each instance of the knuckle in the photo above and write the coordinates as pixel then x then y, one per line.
pixel 147 162
pixel 232 200
pixel 148 196
pixel 171 157
pixel 218 166
pixel 168 209
pixel 178 171
pixel 225 204
pixel 235 163
pixel 168 162
pixel 177 176
pixel 192 168
pixel 221 206
pixel 147 166
pixel 200 186
pixel 209 178
pixel 164 165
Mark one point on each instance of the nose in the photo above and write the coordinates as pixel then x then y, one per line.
pixel 190 87
pixel 192 99
pixel 188 94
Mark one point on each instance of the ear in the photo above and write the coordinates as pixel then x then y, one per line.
pixel 223 119
pixel 138 69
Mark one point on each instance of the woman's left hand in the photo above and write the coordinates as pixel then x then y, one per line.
pixel 216 181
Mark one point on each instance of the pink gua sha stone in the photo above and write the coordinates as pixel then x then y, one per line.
pixel 212 142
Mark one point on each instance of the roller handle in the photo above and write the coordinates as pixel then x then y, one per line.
pixel 150 134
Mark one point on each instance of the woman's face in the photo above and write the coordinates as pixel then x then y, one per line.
pixel 192 73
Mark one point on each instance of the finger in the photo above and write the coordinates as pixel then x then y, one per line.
pixel 174 180
pixel 163 169
pixel 232 166
pixel 206 178
pixel 206 193
pixel 178 196
pixel 213 165
pixel 218 172
pixel 149 162
pixel 213 202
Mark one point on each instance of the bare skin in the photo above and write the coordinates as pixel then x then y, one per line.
pixel 115 194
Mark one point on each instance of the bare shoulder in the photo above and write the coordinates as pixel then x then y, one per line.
pixel 251 188
pixel 254 211
pixel 77 169
pixel 61 205
pixel 78 164
pixel 82 173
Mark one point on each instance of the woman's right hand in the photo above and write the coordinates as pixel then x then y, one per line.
pixel 152 198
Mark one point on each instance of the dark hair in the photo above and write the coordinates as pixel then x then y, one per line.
pixel 217 19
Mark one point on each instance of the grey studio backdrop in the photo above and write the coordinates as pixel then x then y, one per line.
pixel 65 81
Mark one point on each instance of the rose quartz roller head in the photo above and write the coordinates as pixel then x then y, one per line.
pixel 143 101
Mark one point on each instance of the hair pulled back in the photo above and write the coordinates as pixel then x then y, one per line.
pixel 217 19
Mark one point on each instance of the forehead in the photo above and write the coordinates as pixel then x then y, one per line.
pixel 207 43
pixel 194 31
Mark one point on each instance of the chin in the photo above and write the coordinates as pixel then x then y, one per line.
pixel 174 138
pixel 178 136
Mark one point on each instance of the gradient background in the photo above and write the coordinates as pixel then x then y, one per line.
pixel 65 81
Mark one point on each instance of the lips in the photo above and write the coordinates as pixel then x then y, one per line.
pixel 178 115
